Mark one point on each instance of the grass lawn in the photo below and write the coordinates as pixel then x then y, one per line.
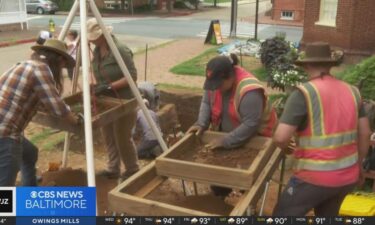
pixel 197 65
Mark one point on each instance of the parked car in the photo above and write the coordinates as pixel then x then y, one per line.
pixel 41 6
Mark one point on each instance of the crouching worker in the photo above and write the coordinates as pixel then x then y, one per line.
pixel 332 130
pixel 234 102
pixel 149 147
pixel 23 88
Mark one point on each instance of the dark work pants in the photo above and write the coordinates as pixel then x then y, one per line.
pixel 300 197
pixel 17 155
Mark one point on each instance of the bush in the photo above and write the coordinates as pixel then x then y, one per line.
pixel 363 76
pixel 271 49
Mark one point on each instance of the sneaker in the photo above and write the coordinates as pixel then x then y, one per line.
pixel 125 175
pixel 108 174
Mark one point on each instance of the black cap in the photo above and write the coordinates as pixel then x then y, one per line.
pixel 217 70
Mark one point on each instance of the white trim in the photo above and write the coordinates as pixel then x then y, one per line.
pixel 325 23
pixel 282 17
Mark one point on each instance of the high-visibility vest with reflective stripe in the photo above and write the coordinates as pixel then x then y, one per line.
pixel 329 141
pixel 244 83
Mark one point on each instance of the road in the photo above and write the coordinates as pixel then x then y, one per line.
pixel 195 25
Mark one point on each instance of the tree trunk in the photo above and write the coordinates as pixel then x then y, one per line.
pixel 196 4
pixel 169 5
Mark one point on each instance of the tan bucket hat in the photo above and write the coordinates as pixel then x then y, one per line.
pixel 94 31
pixel 319 53
pixel 57 46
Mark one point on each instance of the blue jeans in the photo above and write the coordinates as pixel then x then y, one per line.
pixel 16 155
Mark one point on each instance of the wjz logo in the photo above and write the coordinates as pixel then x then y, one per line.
pixel 6 201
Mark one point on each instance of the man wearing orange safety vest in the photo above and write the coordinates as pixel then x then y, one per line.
pixel 234 102
pixel 332 135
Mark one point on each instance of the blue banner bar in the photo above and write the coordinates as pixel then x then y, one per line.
pixel 56 201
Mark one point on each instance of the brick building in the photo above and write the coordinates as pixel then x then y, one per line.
pixel 288 10
pixel 347 24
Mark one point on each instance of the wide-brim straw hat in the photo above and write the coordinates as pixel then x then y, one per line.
pixel 319 53
pixel 56 46
pixel 94 31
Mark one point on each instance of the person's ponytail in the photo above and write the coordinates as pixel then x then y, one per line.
pixel 234 58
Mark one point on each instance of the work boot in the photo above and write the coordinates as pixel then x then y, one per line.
pixel 126 175
pixel 108 174
pixel 156 151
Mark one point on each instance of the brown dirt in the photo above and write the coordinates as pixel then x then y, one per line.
pixel 96 109
pixel 235 158
pixel 206 203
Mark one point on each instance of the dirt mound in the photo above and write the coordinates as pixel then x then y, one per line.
pixel 167 193
pixel 64 177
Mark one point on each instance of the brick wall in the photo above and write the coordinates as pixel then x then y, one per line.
pixel 363 34
pixel 297 6
pixel 354 29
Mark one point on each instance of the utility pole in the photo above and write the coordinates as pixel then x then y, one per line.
pixel 233 19
pixel 256 19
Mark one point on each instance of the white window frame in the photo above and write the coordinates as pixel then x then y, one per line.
pixel 327 20
pixel 283 17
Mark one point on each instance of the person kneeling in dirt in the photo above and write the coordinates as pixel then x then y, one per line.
pixel 111 82
pixel 22 89
pixel 149 147
pixel 235 102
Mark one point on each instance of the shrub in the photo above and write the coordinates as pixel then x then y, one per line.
pixel 271 49
pixel 64 5
pixel 363 76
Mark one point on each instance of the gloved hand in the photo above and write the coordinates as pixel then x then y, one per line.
pixel 215 144
pixel 197 130
pixel 80 118
pixel 100 88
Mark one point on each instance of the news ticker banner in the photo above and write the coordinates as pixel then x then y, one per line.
pixel 117 220
pixel 77 205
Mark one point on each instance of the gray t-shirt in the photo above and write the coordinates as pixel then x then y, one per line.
pixel 295 111
pixel 143 126
pixel 250 110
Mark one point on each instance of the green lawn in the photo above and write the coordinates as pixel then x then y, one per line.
pixel 197 65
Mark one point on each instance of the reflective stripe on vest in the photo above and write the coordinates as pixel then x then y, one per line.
pixel 328 142
pixel 315 136
pixel 327 165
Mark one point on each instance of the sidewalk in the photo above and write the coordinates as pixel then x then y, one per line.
pixel 9 38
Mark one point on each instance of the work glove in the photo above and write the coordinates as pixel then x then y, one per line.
pixel 197 130
pixel 101 88
pixel 80 118
pixel 215 144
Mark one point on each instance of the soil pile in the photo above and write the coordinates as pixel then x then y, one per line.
pixel 207 203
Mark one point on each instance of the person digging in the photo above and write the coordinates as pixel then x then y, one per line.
pixel 234 102
pixel 332 136
pixel 23 89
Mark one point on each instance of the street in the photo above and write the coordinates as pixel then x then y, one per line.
pixel 194 25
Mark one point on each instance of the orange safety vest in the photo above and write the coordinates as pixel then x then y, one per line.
pixel 329 142
pixel 244 83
